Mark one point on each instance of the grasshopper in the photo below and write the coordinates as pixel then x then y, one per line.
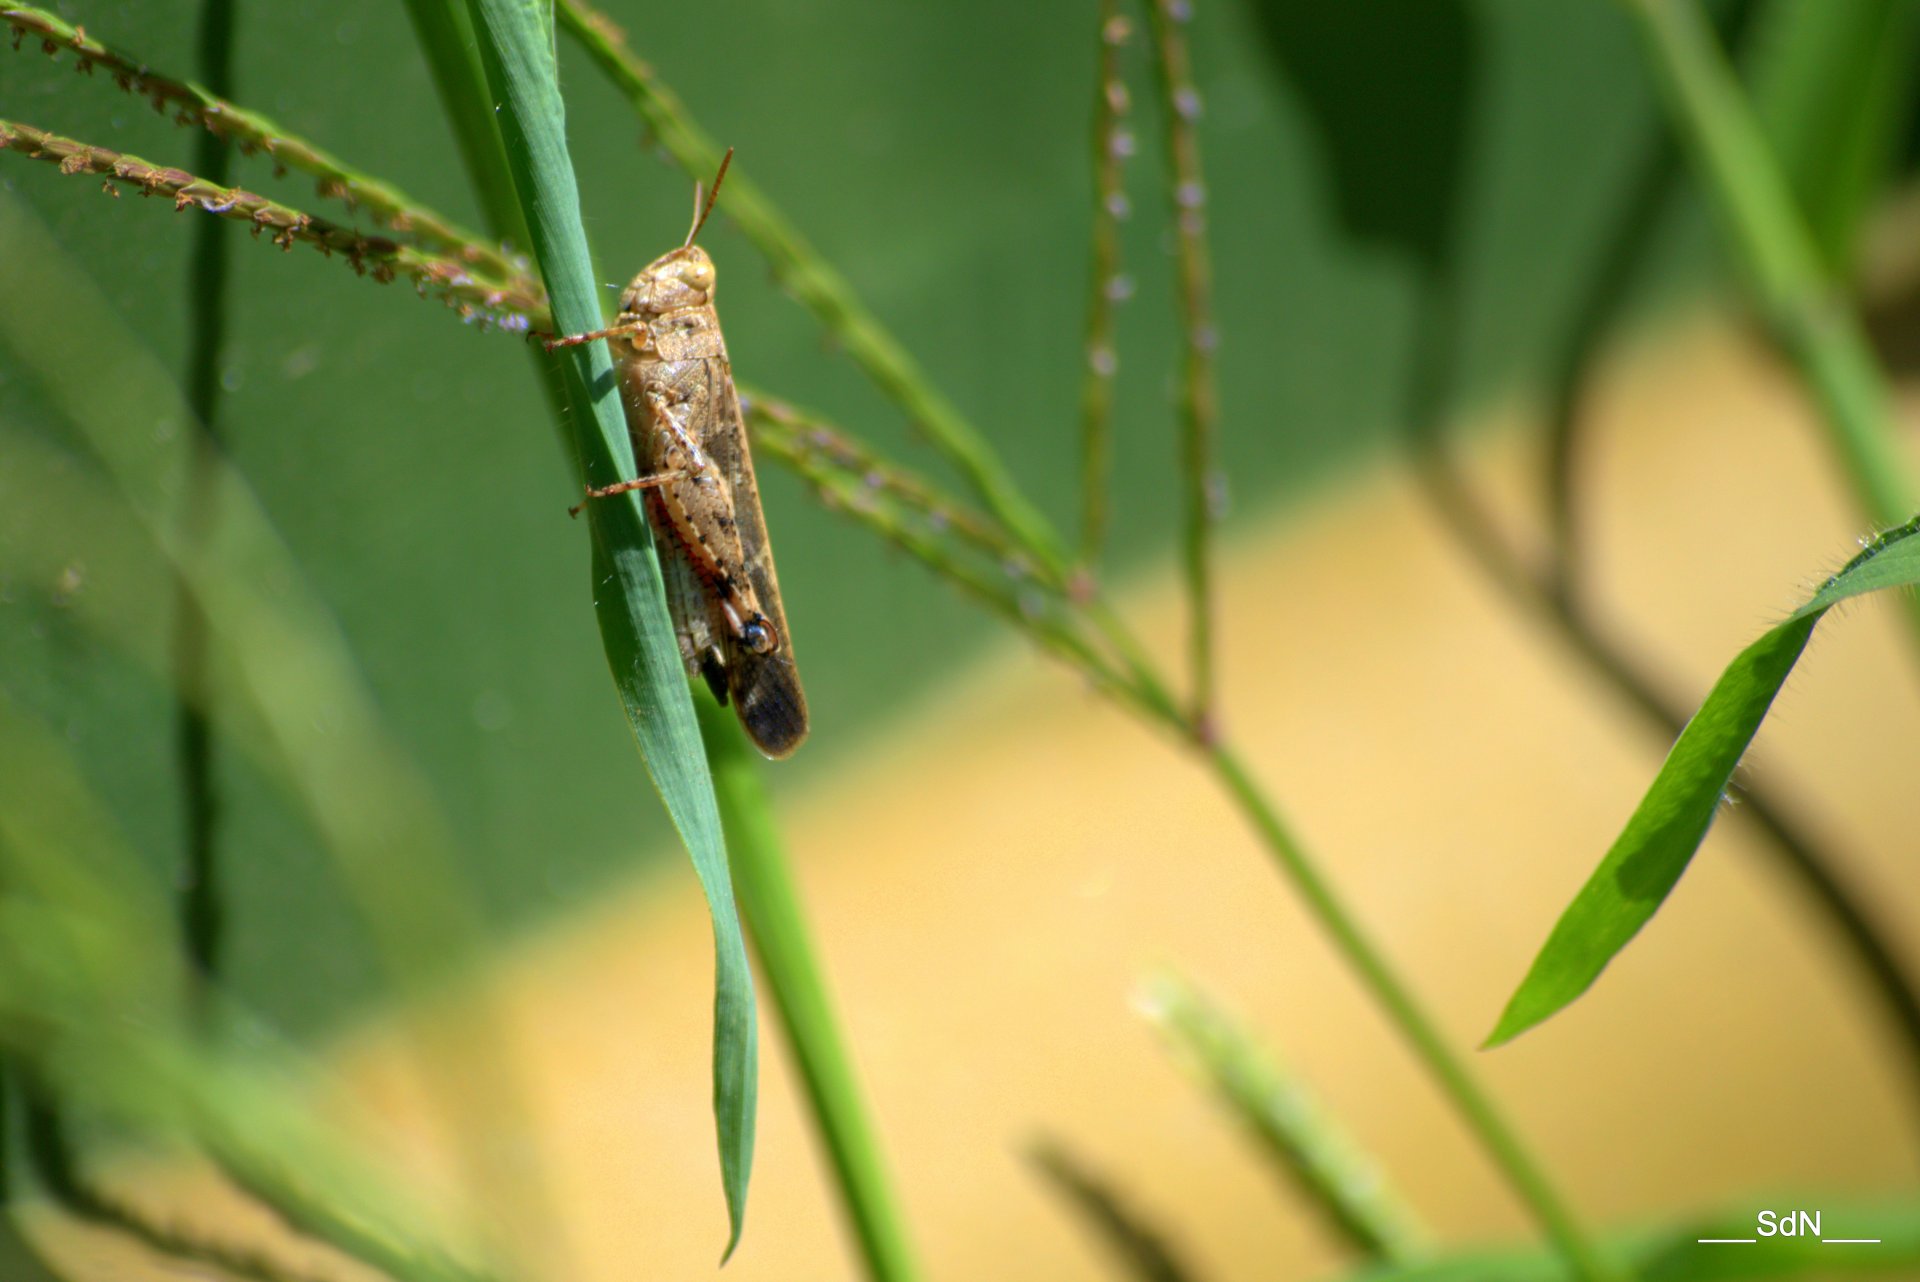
pixel 696 475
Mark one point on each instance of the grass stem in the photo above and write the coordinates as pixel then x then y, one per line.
pixel 208 107
pixel 201 905
pixel 777 925
pixel 1112 144
pixel 1807 314
pixel 473 295
pixel 1447 1069
pixel 1202 483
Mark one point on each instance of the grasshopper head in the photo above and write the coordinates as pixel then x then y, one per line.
pixel 683 278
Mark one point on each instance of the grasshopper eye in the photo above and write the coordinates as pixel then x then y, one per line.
pixel 697 274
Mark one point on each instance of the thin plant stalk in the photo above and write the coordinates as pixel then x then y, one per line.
pixel 776 924
pixel 209 107
pixel 1410 1020
pixel 1807 315
pixel 936 530
pixel 380 257
pixel 1201 482
pixel 208 275
pixel 1106 287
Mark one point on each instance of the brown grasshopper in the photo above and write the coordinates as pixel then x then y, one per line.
pixel 690 444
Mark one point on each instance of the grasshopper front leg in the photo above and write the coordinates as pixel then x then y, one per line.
pixel 624 487
pixel 554 343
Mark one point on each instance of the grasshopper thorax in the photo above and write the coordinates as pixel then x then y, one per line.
pixel 676 280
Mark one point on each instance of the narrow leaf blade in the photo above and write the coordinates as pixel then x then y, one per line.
pixel 1659 841
pixel 630 600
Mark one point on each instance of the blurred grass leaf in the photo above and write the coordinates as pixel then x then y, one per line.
pixel 1832 85
pixel 92 1004
pixel 629 598
pixel 302 705
pixel 1138 1247
pixel 17 1259
pixel 1649 856
pixel 1298 1135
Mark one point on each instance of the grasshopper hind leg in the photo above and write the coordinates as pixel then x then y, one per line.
pixel 694 623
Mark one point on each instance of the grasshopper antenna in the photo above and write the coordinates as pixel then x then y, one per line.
pixel 701 210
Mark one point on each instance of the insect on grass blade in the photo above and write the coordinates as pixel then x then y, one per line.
pixel 696 478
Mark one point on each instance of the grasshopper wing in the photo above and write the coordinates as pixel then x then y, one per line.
pixel 765 687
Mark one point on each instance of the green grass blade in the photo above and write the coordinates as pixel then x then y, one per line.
pixel 444 31
pixel 1649 856
pixel 517 51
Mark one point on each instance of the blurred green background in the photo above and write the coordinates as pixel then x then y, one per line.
pixel 938 155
